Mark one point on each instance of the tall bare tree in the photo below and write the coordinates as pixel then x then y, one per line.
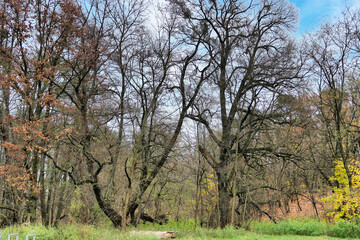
pixel 251 57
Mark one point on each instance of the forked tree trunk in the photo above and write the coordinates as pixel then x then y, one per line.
pixel 128 191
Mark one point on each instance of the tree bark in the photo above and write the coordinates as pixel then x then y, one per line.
pixel 114 217
pixel 224 199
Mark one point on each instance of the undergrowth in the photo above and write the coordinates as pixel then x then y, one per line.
pixel 309 227
pixel 72 232
pixel 185 230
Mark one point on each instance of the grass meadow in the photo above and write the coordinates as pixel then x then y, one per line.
pixel 304 229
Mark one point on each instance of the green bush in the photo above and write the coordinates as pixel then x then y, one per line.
pixel 345 229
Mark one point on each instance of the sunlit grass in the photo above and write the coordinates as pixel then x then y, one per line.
pixel 305 229
pixel 309 227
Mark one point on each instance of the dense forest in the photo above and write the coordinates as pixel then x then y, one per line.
pixel 213 110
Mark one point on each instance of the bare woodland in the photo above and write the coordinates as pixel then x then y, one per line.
pixel 210 110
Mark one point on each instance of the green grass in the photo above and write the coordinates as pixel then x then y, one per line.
pixel 304 229
pixel 254 236
pixel 308 227
pixel 72 232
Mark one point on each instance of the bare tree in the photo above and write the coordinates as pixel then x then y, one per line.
pixel 334 63
pixel 252 58
pixel 168 82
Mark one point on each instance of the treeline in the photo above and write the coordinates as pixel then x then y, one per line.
pixel 212 110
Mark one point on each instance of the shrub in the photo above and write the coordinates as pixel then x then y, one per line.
pixel 345 199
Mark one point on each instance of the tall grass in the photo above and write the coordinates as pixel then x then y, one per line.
pixel 185 230
pixel 308 227
pixel 182 225
pixel 72 232
pixel 202 233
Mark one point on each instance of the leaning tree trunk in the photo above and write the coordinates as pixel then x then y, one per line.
pixel 114 217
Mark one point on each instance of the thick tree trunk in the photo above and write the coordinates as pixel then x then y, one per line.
pixel 131 211
pixel 224 199
pixel 32 207
pixel 115 218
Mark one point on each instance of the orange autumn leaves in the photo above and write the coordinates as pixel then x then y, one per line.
pixel 18 179
pixel 34 36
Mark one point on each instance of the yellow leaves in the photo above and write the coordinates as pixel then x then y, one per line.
pixel 209 193
pixel 345 199
pixel 204 192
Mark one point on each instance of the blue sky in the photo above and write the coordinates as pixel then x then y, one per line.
pixel 312 12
